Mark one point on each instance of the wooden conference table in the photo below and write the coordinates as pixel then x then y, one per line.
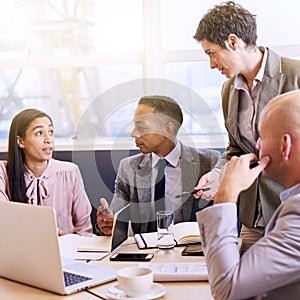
pixel 187 290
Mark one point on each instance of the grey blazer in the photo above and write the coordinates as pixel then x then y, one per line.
pixel 269 270
pixel 281 75
pixel 133 184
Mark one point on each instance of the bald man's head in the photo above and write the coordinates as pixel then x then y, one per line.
pixel 279 131
pixel 282 113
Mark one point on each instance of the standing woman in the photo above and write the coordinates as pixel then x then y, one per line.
pixel 32 176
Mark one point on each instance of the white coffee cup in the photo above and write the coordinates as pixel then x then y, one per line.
pixel 135 281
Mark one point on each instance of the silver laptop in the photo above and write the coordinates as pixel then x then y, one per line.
pixel 29 252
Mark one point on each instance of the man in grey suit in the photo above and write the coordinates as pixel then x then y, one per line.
pixel 157 120
pixel 228 36
pixel 270 269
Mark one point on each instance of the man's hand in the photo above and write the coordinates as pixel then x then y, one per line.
pixel 238 176
pixel 105 217
pixel 210 180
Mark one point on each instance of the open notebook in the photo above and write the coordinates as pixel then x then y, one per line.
pixel 30 254
pixel 185 233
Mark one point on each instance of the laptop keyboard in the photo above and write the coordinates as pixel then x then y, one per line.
pixel 178 271
pixel 71 278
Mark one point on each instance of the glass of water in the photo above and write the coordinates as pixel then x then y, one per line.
pixel 165 230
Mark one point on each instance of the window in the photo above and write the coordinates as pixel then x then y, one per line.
pixel 87 62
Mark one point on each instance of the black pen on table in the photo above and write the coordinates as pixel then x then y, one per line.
pixel 184 194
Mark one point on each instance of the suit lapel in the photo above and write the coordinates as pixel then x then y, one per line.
pixel 233 110
pixel 143 178
pixel 190 174
pixel 143 181
pixel 271 85
pixel 189 169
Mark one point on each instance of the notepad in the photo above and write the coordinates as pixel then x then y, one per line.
pixel 70 243
pixel 185 233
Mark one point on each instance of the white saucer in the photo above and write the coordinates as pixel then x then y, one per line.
pixel 114 292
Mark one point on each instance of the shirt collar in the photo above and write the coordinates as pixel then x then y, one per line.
pixel 292 191
pixel 172 158
pixel 261 71
pixel 239 82
pixel 47 171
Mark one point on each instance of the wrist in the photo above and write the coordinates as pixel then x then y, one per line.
pixel 225 195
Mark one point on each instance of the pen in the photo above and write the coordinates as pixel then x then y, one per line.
pixel 254 164
pixel 184 194
pixel 105 211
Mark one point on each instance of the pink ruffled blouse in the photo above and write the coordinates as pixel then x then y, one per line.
pixel 61 187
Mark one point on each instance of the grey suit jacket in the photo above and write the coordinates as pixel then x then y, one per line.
pixel 269 270
pixel 281 75
pixel 133 184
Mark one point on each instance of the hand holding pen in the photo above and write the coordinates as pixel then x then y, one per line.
pixel 185 194
pixel 211 180
pixel 105 217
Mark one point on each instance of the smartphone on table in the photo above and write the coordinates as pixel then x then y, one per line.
pixel 131 256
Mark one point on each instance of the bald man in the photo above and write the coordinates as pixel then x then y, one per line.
pixel 270 269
